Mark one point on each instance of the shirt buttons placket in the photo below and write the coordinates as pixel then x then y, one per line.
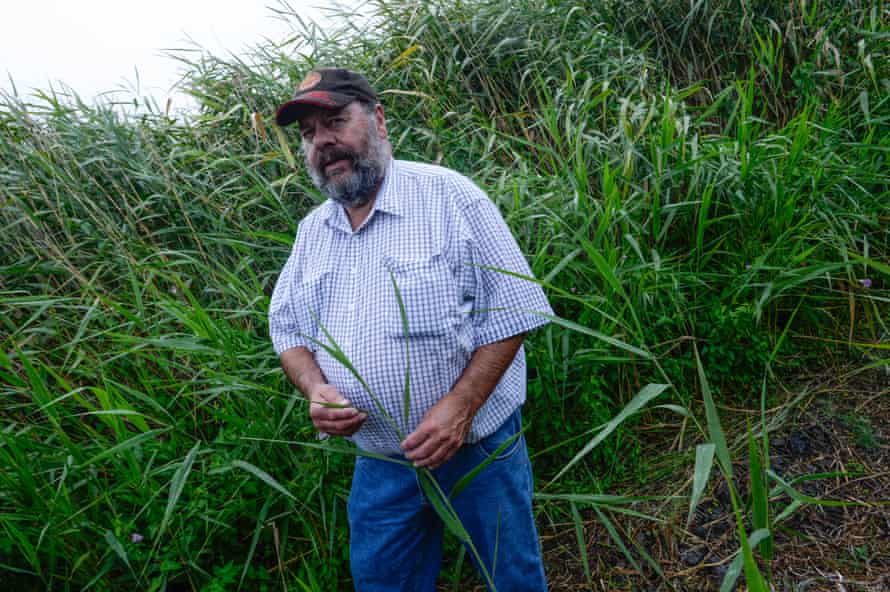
pixel 353 273
pixel 352 296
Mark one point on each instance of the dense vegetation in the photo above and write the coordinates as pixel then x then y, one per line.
pixel 690 181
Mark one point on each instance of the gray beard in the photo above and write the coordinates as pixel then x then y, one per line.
pixel 362 183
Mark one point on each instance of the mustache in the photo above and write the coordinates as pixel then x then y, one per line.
pixel 337 154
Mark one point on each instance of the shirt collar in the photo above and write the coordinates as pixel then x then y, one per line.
pixel 387 201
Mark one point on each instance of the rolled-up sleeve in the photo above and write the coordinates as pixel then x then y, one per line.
pixel 284 323
pixel 503 305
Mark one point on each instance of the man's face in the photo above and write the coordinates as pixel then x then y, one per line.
pixel 346 151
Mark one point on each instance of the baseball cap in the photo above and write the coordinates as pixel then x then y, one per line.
pixel 328 88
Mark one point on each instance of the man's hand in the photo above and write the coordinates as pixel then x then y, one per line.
pixel 441 433
pixel 330 412
pixel 446 425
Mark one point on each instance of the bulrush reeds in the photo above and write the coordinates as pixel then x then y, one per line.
pixel 702 188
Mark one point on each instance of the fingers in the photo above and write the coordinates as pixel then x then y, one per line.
pixel 320 412
pixel 331 413
pixel 327 393
pixel 430 448
pixel 441 433
pixel 343 427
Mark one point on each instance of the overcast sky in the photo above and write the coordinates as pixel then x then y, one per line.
pixel 96 46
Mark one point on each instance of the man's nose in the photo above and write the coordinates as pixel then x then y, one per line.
pixel 324 136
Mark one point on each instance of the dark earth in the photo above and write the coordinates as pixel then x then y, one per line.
pixel 831 443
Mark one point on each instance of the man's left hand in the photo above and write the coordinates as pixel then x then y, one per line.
pixel 441 432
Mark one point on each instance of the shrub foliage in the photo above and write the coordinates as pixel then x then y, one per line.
pixel 713 172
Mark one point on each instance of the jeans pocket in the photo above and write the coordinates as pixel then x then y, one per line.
pixel 490 444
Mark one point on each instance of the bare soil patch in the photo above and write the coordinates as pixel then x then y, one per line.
pixel 836 443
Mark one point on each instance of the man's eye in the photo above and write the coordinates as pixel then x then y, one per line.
pixel 307 136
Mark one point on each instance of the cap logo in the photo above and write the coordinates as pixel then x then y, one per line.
pixel 311 80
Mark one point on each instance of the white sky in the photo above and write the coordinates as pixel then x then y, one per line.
pixel 95 46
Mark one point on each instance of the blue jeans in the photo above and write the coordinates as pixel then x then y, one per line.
pixel 396 536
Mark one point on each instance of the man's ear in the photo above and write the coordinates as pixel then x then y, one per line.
pixel 380 120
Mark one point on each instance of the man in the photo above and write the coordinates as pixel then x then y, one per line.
pixel 436 236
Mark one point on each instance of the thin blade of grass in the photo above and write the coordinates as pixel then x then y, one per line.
pixel 759 495
pixel 601 336
pixel 704 460
pixel 437 499
pixel 735 568
pixel 715 430
pixel 262 476
pixel 806 499
pixel 125 445
pixel 468 478
pixel 582 544
pixel 177 483
pixel 337 353
pixel 118 549
pixel 336 449
pixel 261 518
pixel 616 538
pixel 406 392
pixel 646 394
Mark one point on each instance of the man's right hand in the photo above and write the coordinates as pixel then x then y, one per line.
pixel 332 414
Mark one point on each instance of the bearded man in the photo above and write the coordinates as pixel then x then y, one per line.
pixel 439 237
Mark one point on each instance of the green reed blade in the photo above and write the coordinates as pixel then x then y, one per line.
pixel 646 394
pixel 406 393
pixel 582 544
pixel 263 476
pixel 715 430
pixel 704 459
pixel 468 478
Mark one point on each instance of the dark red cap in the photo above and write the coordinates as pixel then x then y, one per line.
pixel 328 88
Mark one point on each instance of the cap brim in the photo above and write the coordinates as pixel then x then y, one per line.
pixel 320 99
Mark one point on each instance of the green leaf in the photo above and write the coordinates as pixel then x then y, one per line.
pixel 806 499
pixel 440 504
pixel 125 445
pixel 582 544
pixel 261 518
pixel 592 333
pixel 406 393
pixel 337 449
pixel 646 394
pixel 715 431
pixel 759 494
pixel 177 483
pixel 735 568
pixel 117 547
pixel 262 476
pixel 613 533
pixel 704 459
pixel 468 478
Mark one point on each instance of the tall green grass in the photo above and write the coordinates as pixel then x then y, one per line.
pixel 680 176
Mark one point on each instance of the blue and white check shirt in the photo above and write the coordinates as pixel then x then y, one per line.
pixel 436 232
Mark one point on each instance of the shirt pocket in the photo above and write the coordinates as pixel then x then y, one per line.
pixel 314 302
pixel 428 294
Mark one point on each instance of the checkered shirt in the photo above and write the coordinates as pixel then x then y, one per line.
pixel 436 234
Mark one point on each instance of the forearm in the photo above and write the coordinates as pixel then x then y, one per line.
pixel 484 371
pixel 301 368
pixel 329 411
pixel 445 426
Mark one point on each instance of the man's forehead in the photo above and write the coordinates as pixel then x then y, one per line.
pixel 314 113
